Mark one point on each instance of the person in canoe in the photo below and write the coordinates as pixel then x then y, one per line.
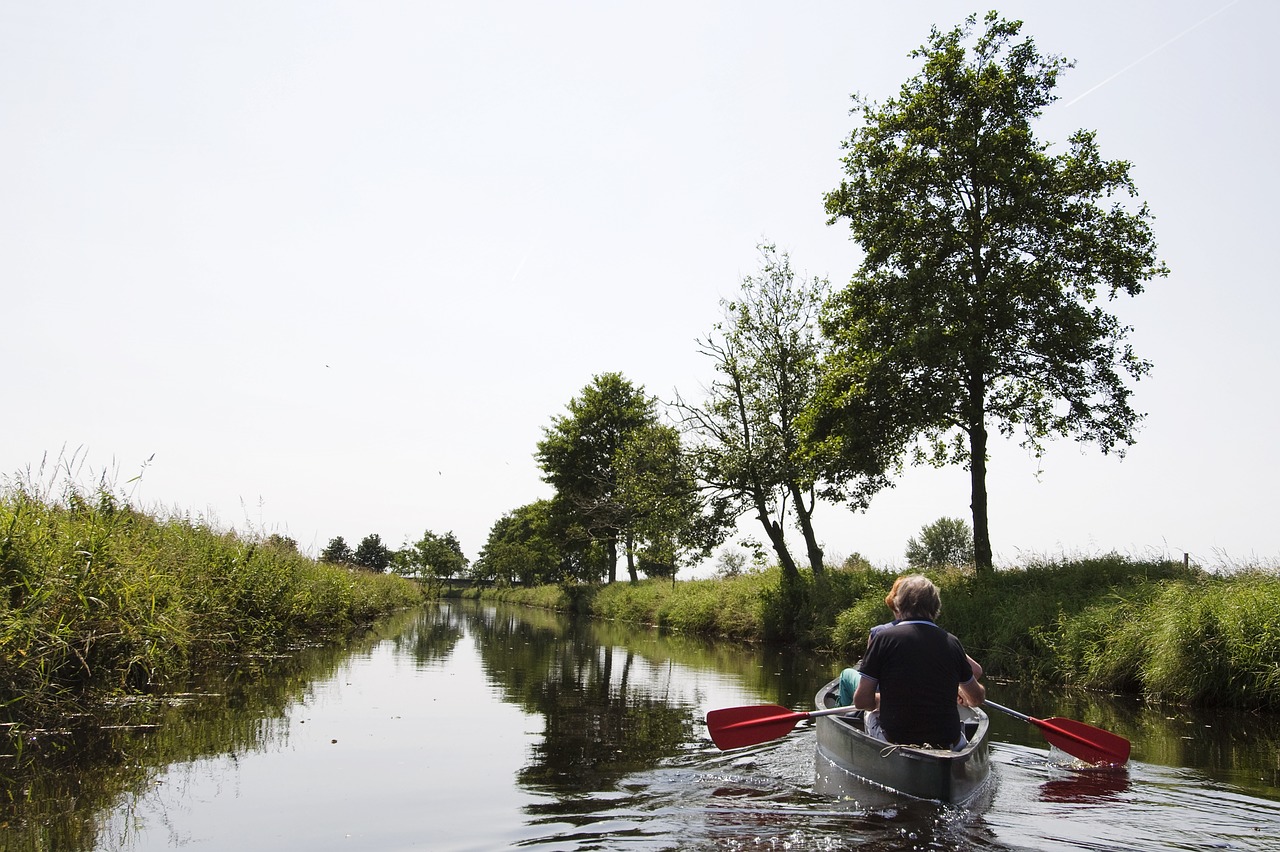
pixel 849 677
pixel 914 672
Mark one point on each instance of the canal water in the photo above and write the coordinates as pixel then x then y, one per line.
pixel 481 727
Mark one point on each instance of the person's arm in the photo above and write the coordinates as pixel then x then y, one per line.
pixel 974 667
pixel 865 696
pixel 971 692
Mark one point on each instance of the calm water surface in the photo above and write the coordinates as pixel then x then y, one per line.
pixel 472 727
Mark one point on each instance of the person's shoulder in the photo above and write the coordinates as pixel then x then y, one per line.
pixel 880 628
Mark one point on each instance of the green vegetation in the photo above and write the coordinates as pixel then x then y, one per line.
pixel 946 541
pixel 98 598
pixel 623 487
pixel 981 303
pixel 746 438
pixel 982 299
pixel 1112 624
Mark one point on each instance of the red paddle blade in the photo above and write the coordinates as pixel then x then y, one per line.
pixel 735 727
pixel 1090 744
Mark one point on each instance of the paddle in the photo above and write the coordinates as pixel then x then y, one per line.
pixel 1090 744
pixel 735 727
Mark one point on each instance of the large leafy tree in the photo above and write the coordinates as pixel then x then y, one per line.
pixel 747 434
pixel 338 551
pixel 988 262
pixel 523 546
pixel 579 457
pixel 438 556
pixel 671 521
pixel 946 541
pixel 372 554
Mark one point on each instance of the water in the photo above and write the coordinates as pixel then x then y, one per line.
pixel 466 727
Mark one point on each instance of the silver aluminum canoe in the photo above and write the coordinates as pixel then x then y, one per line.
pixel 923 773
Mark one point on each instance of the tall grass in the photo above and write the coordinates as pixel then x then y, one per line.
pixel 1208 640
pixel 1109 623
pixel 98 597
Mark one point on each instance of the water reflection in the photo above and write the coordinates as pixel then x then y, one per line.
pixel 607 710
pixel 484 727
pixel 56 786
pixel 1085 787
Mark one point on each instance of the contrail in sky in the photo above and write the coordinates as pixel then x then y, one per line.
pixel 1152 52
pixel 520 266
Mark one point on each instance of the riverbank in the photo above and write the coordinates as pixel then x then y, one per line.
pixel 99 600
pixel 1159 629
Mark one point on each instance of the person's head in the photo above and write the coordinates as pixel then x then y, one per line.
pixel 916 597
pixel 893 593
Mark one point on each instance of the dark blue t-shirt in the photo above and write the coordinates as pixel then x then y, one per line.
pixel 918 667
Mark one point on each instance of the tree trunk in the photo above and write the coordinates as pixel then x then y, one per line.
pixel 790 572
pixel 611 554
pixel 978 502
pixel 805 516
pixel 631 559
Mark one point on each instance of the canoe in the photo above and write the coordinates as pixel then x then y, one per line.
pixel 923 773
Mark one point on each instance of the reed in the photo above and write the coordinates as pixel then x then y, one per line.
pixel 1211 640
pixel 99 598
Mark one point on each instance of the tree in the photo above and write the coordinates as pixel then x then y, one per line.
pixel 282 543
pixel 732 562
pixel 522 547
pixel 946 541
pixel 337 551
pixel 578 456
pixel 748 433
pixel 372 554
pixel 977 302
pixel 439 556
pixel 670 520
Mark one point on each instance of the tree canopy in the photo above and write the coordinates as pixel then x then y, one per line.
pixel 747 433
pixel 438 556
pixel 579 457
pixel 523 547
pixel 946 541
pixel 337 551
pixel 987 260
pixel 672 521
pixel 372 554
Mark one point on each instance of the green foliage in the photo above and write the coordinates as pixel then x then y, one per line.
pixel 1208 640
pixel 338 552
pixel 522 547
pixel 987 264
pixel 946 541
pixel 671 522
pixel 372 554
pixel 766 354
pixel 437 556
pixel 96 596
pixel 579 456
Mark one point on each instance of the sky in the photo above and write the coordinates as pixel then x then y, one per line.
pixel 321 268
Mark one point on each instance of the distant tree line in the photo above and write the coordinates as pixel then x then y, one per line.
pixel 432 557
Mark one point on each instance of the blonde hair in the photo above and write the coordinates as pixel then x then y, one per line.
pixel 916 597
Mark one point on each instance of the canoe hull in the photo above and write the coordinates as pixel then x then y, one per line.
pixel 936 774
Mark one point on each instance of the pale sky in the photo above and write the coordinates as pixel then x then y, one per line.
pixel 335 266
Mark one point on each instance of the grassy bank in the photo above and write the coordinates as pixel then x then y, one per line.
pixel 97 598
pixel 1112 624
